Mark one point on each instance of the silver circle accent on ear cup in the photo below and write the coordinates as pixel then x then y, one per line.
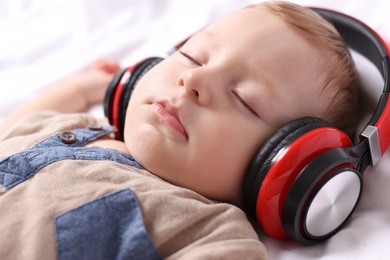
pixel 333 203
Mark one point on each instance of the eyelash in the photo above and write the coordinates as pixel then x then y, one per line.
pixel 249 108
pixel 190 58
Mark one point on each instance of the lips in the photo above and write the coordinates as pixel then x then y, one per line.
pixel 170 116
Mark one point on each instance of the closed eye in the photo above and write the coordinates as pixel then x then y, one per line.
pixel 248 107
pixel 190 58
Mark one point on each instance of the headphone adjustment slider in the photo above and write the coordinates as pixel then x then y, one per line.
pixel 372 135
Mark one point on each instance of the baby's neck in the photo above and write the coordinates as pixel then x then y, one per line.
pixel 109 143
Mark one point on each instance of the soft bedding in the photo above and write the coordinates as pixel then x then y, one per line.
pixel 44 41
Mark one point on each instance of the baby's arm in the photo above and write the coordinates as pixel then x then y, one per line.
pixel 77 93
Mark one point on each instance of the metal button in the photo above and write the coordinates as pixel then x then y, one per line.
pixel 68 137
pixel 95 127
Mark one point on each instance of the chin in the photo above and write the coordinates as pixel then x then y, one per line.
pixel 146 146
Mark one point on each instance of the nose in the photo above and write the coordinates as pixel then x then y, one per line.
pixel 200 84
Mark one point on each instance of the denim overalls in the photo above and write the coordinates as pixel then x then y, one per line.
pixel 110 227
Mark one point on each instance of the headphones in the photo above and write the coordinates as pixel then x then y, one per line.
pixel 305 181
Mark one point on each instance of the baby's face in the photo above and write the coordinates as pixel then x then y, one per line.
pixel 197 118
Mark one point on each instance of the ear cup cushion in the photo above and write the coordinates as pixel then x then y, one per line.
pixel 140 70
pixel 110 93
pixel 262 161
pixel 136 72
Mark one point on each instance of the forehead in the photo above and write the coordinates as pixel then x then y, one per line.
pixel 255 34
pixel 262 41
pixel 246 26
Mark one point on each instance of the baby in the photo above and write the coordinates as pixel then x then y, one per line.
pixel 174 187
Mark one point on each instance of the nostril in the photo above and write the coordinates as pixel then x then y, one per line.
pixel 195 92
pixel 180 82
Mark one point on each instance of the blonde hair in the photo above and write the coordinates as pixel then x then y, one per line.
pixel 337 66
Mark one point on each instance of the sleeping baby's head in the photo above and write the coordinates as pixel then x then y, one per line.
pixel 197 117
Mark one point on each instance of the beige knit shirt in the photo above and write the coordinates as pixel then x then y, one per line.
pixel 181 223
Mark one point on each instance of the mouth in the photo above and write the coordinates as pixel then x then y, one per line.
pixel 169 115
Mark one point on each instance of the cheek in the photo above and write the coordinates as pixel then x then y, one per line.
pixel 226 156
pixel 163 74
pixel 238 140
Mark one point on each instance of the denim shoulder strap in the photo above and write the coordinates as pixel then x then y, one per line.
pixel 64 145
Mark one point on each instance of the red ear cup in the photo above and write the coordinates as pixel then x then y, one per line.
pixel 279 161
pixel 263 159
pixel 120 89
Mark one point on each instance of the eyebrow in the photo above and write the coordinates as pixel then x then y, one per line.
pixel 265 79
pixel 209 37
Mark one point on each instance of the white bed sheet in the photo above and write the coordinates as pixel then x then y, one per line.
pixel 44 41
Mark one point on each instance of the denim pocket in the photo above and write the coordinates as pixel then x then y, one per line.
pixel 111 227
